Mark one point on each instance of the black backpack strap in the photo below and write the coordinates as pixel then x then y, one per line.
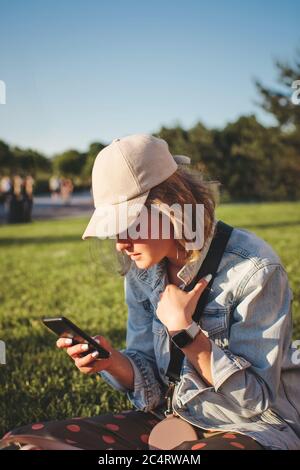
pixel 209 266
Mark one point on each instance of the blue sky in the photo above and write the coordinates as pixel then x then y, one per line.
pixel 83 71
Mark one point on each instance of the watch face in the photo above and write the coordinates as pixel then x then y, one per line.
pixel 181 339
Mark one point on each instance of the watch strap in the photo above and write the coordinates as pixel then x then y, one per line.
pixel 193 329
pixel 186 336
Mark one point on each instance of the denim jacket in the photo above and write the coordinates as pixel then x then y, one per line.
pixel 256 375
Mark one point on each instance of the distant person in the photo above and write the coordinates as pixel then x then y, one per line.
pixel 28 198
pixel 16 200
pixel 17 185
pixel 5 190
pixel 66 190
pixel 5 185
pixel 21 199
pixel 54 186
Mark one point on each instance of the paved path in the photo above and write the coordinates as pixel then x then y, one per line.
pixel 45 208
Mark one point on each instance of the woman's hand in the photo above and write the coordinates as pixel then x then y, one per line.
pixel 91 363
pixel 176 307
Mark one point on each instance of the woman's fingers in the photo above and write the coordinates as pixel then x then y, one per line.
pixel 64 342
pixel 90 369
pixel 86 360
pixel 200 285
pixel 74 351
pixel 91 363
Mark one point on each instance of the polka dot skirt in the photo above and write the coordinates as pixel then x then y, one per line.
pixel 127 430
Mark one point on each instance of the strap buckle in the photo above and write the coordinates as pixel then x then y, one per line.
pixel 169 397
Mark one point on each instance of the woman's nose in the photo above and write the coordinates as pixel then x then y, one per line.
pixel 122 246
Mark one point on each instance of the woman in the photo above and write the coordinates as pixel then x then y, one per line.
pixel 239 384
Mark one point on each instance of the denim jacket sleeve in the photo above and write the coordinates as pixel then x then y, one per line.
pixel 147 393
pixel 247 374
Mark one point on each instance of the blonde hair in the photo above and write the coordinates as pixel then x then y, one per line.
pixel 184 186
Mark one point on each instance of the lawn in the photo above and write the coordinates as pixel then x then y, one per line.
pixel 46 270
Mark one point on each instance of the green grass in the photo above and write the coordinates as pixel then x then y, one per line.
pixel 46 270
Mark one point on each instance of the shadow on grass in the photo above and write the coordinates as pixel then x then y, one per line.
pixel 270 225
pixel 73 238
pixel 39 240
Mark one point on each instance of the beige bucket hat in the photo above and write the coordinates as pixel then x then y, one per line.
pixel 123 174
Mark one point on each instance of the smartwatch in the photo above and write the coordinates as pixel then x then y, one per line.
pixel 186 336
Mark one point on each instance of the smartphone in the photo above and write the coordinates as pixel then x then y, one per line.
pixel 64 328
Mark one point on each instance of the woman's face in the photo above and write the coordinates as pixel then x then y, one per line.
pixel 147 251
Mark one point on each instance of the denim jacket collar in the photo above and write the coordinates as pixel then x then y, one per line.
pixel 190 269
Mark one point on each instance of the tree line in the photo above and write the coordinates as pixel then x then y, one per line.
pixel 252 162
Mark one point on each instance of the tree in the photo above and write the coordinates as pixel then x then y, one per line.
pixel 91 154
pixel 29 161
pixel 287 114
pixel 278 101
pixel 177 138
pixel 69 163
pixel 6 157
pixel 206 155
pixel 251 159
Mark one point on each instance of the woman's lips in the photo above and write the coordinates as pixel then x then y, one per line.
pixel 135 255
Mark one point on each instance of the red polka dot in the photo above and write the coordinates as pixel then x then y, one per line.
pixel 112 427
pixel 73 427
pixel 200 445
pixel 238 445
pixel 108 439
pixel 37 426
pixel 229 436
pixel 119 416
pixel 144 438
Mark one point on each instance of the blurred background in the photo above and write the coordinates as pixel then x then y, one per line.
pixel 217 80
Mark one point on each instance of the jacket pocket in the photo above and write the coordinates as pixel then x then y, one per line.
pixel 271 417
